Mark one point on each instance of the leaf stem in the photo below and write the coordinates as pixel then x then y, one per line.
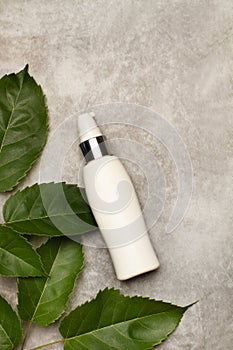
pixel 48 344
pixel 26 334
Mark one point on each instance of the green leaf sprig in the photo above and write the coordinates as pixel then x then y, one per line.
pixel 46 275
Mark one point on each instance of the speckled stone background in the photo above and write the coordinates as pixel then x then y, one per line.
pixel 175 57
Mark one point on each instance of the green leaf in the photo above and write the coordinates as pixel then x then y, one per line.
pixel 17 257
pixel 51 209
pixel 42 300
pixel 23 126
pixel 115 321
pixel 10 328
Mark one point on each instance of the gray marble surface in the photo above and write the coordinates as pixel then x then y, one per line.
pixel 176 58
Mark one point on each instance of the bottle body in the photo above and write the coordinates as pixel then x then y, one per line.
pixel 117 211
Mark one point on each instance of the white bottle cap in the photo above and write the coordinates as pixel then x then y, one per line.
pixel 87 127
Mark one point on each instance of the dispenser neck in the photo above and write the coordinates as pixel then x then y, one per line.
pixel 94 148
pixel 92 142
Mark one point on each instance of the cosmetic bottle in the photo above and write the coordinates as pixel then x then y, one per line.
pixel 114 203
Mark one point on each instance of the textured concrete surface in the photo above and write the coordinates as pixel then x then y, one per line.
pixel 175 57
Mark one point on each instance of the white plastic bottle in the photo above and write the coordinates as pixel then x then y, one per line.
pixel 114 204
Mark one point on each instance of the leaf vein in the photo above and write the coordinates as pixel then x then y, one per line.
pixel 11 115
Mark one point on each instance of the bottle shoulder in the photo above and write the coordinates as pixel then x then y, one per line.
pixel 102 160
pixel 107 167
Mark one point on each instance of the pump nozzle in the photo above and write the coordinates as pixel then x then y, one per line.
pixel 91 138
pixel 87 127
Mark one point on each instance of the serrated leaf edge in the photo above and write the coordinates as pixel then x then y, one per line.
pixel 129 297
pixel 6 223
pixel 134 319
pixel 42 268
pixel 46 129
pixel 75 280
pixel 183 309
pixel 46 324
pixel 16 314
